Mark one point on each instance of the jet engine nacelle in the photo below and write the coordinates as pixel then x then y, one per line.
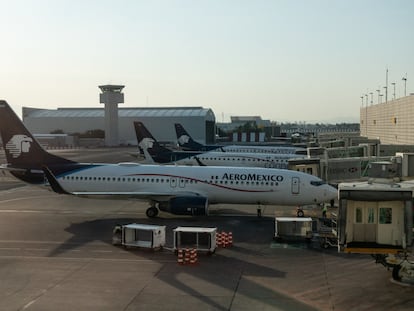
pixel 194 206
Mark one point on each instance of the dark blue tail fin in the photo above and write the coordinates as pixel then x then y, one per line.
pixel 147 142
pixel 185 140
pixel 23 152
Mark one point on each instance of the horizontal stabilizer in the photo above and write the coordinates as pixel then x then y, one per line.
pixel 54 184
pixel 11 169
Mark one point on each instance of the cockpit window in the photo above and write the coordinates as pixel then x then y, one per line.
pixel 317 183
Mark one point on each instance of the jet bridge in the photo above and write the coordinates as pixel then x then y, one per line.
pixel 377 218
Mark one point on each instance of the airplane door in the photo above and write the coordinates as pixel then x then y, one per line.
pixel 173 182
pixel 295 185
pixel 182 183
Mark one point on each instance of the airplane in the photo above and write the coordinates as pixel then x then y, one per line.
pixel 158 154
pixel 180 190
pixel 244 159
pixel 186 142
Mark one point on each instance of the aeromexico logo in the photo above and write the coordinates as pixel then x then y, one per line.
pixel 19 144
pixel 146 143
pixel 183 139
pixel 253 177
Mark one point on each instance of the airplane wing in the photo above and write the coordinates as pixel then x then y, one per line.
pixel 153 196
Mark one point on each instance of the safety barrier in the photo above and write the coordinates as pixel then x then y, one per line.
pixel 224 239
pixel 187 256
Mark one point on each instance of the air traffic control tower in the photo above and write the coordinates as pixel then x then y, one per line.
pixel 111 96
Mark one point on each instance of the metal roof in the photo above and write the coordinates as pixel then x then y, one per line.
pixel 123 112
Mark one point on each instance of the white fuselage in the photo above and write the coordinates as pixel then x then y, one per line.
pixel 243 159
pixel 263 149
pixel 218 184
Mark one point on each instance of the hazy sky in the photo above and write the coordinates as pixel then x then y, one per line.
pixel 283 60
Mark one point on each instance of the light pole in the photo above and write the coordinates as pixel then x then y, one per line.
pixel 405 84
pixel 372 96
pixel 393 95
pixel 362 101
pixel 386 86
pixel 378 96
pixel 366 116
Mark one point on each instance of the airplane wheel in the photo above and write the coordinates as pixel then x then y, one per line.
pixel 325 245
pixel 152 212
pixel 300 213
pixel 396 273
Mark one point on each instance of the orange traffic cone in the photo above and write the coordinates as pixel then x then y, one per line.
pixel 219 240
pixel 225 239
pixel 180 256
pixel 193 256
pixel 187 256
pixel 230 238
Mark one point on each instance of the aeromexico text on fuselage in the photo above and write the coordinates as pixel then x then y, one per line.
pixel 252 177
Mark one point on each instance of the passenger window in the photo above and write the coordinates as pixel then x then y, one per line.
pixel 385 215
pixel 358 215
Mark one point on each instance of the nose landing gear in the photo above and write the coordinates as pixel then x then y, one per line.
pixel 152 211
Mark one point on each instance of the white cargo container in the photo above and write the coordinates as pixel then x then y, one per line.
pixel 140 235
pixel 293 228
pixel 202 239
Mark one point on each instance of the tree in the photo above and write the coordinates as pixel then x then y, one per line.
pixel 57 132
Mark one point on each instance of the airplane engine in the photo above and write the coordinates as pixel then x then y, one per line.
pixel 195 206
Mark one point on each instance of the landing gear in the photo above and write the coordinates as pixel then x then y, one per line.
pixel 300 212
pixel 152 212
pixel 404 272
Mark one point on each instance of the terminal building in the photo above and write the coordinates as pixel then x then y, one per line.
pixel 391 122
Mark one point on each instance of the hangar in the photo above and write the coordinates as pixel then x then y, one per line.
pixel 159 120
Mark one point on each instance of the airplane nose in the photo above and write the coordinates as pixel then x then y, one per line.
pixel 331 193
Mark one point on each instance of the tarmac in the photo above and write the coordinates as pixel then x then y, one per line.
pixel 56 253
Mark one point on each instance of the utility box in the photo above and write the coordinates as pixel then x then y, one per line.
pixel 295 228
pixel 139 235
pixel 202 239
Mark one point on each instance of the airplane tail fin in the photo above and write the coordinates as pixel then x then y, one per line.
pixel 146 142
pixel 22 150
pixel 185 140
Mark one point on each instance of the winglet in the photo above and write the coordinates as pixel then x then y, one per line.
pixel 54 184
